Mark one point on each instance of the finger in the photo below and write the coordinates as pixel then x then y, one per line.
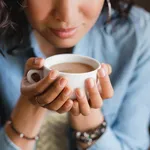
pixel 106 87
pixel 108 68
pixel 94 95
pixel 75 108
pixel 60 100
pixel 53 91
pixel 38 87
pixel 83 102
pixel 66 107
pixel 33 63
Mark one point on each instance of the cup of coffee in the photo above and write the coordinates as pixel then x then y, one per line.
pixel 75 68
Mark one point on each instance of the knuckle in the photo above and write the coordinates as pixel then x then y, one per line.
pixel 53 108
pixel 65 95
pixel 65 109
pixel 62 98
pixel 56 88
pixel 44 100
pixel 55 92
pixel 87 113
pixel 38 90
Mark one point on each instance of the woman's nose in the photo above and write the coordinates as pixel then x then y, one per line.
pixel 65 10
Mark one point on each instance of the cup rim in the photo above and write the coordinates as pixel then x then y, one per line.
pixel 73 74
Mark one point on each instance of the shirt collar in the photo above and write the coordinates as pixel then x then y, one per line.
pixel 36 48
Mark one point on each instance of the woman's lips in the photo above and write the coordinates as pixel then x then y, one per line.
pixel 64 33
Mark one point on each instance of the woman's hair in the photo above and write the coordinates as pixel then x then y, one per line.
pixel 13 19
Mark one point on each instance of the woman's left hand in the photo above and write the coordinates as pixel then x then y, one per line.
pixel 85 114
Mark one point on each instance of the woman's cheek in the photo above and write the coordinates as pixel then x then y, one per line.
pixel 91 8
pixel 38 10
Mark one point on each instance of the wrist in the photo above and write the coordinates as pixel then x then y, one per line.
pixel 86 139
pixel 27 119
pixel 84 123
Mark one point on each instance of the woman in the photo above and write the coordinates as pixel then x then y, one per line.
pixel 41 28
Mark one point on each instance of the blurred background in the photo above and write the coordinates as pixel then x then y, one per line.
pixel 144 3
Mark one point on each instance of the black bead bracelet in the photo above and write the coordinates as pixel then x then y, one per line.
pixel 89 136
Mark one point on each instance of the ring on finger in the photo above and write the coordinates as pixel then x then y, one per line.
pixel 40 104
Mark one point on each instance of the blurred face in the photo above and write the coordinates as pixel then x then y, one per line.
pixel 63 22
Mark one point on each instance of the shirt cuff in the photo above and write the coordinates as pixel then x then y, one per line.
pixel 5 142
pixel 107 141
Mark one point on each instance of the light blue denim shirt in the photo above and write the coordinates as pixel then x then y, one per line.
pixel 125 45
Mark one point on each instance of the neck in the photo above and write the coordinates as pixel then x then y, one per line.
pixel 47 49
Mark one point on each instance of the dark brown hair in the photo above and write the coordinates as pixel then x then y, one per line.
pixel 13 20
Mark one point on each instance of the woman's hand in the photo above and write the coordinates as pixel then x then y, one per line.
pixel 86 114
pixel 50 92
pixel 27 118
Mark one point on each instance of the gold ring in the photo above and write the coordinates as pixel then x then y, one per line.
pixel 36 99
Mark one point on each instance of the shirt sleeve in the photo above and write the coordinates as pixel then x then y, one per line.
pixel 130 130
pixel 5 142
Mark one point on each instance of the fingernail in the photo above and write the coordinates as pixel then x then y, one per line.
pixel 102 73
pixel 53 74
pixel 37 61
pixel 62 82
pixel 79 93
pixel 67 92
pixel 90 83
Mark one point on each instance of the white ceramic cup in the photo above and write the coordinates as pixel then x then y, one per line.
pixel 75 80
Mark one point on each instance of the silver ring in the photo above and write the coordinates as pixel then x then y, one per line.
pixel 109 10
pixel 36 99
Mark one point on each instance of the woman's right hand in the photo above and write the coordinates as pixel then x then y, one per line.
pixel 51 92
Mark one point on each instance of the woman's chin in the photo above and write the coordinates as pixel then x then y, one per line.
pixel 62 42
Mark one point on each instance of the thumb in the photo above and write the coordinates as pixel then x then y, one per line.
pixel 33 63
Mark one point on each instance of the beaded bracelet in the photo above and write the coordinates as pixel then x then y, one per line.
pixel 21 135
pixel 90 136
